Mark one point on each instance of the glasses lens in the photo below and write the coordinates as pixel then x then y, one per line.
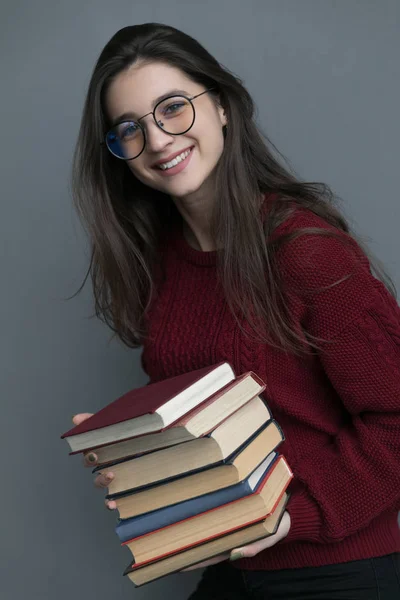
pixel 125 140
pixel 175 115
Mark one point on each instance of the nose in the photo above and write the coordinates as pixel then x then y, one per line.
pixel 156 138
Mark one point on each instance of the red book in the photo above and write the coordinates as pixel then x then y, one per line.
pixel 149 408
pixel 198 422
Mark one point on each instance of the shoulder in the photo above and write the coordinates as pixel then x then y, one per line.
pixel 312 251
pixel 328 269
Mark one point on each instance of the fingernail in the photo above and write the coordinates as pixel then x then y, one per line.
pixel 91 457
pixel 109 476
pixel 236 556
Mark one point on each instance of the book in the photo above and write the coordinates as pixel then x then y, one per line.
pixel 197 471
pixel 216 522
pixel 217 477
pixel 220 446
pixel 141 574
pixel 198 422
pixel 127 529
pixel 149 408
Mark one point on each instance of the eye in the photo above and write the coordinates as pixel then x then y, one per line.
pixel 128 130
pixel 174 108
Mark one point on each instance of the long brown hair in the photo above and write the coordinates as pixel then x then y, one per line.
pixel 124 218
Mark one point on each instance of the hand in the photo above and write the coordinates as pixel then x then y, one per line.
pixel 90 460
pixel 251 549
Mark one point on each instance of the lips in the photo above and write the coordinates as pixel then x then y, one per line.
pixel 170 157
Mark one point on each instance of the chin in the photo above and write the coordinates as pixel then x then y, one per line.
pixel 179 186
pixel 182 189
pixel 184 192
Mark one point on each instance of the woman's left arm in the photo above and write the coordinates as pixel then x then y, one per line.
pixel 349 482
pixel 356 477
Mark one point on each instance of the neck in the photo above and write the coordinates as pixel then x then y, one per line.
pixel 196 211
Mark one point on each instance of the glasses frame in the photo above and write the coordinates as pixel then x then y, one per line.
pixel 153 112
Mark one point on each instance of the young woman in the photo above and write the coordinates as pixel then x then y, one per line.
pixel 205 249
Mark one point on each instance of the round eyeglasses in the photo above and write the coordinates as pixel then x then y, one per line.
pixel 174 115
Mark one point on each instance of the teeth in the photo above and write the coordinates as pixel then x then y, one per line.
pixel 175 161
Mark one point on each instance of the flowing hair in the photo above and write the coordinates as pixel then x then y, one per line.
pixel 125 219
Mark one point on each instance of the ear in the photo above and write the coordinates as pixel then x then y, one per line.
pixel 221 112
pixel 222 116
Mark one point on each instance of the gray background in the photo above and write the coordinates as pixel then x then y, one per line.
pixel 325 76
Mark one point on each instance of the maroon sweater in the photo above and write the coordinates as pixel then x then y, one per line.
pixel 339 407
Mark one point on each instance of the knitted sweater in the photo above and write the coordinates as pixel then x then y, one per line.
pixel 338 407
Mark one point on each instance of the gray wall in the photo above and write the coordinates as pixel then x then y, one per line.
pixel 325 76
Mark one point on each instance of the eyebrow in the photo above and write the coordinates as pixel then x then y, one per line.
pixel 130 115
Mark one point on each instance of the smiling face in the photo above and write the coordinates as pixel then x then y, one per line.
pixel 134 93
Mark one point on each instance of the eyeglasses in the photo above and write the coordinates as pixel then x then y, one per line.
pixel 174 115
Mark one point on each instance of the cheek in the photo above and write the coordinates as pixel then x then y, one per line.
pixel 219 143
pixel 138 172
pixel 146 177
pixel 134 170
pixel 213 147
pixel 210 136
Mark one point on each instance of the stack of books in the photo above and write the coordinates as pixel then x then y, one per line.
pixel 196 464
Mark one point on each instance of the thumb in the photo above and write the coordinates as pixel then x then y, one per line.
pixel 79 418
pixel 267 542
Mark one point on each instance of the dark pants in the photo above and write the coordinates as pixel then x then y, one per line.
pixel 369 579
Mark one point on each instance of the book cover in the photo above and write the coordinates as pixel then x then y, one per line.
pixel 183 421
pixel 141 401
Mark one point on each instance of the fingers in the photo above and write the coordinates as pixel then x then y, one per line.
pixel 267 542
pixel 110 504
pixel 103 480
pixel 90 459
pixel 252 549
pixel 79 418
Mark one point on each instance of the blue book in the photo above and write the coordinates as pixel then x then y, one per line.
pixel 128 529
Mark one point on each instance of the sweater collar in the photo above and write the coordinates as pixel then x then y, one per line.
pixel 209 258
pixel 189 254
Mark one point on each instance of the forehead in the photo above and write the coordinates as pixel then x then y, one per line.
pixel 136 89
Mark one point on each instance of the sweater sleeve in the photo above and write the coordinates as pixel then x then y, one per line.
pixel 355 477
